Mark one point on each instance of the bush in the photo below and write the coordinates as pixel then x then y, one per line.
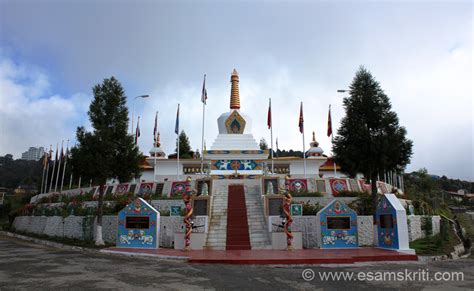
pixel 306 194
pixel 311 209
pixel 427 225
pixel 346 193
pixel 363 205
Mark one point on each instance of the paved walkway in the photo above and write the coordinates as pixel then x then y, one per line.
pixel 263 257
pixel 26 266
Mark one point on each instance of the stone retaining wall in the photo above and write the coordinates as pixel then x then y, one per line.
pixel 415 230
pixel 84 227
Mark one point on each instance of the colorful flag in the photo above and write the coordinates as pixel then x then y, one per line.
pixel 45 160
pixel 329 122
pixel 67 153
pixel 204 91
pixel 176 126
pixel 156 127
pixel 269 116
pixel 62 154
pixel 301 121
pixel 137 132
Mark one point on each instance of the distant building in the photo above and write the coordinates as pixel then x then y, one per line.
pixel 33 154
pixel 6 159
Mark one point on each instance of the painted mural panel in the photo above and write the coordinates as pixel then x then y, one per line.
pixel 298 185
pixel 338 224
pixel 178 188
pixel 232 165
pixel 387 224
pixel 138 226
pixel 121 189
pixel 338 185
pixel 145 189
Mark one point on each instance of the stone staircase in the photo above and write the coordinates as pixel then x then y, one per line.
pixel 258 231
pixel 217 234
pixel 237 224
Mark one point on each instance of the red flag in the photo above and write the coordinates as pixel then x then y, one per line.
pixel 156 127
pixel 269 117
pixel 329 122
pixel 301 121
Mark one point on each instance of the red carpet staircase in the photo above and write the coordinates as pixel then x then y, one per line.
pixel 237 224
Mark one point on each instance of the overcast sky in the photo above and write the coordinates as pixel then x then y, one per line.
pixel 53 52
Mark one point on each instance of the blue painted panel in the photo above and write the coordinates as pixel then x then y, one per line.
pixel 387 235
pixel 338 237
pixel 135 236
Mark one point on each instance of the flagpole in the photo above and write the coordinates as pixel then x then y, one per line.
pixel 44 170
pixel 271 133
pixel 70 182
pixel 59 168
pixel 177 150
pixel 304 155
pixel 65 163
pixel 203 100
pixel 332 139
pixel 54 167
pixel 332 142
pixel 276 144
pixel 46 182
pixel 156 145
pixel 304 150
pixel 47 170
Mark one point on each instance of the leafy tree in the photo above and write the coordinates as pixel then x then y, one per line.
pixel 108 151
pixel 184 146
pixel 290 153
pixel 370 139
pixel 21 172
pixel 263 144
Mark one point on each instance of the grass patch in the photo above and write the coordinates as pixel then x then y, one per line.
pixel 436 245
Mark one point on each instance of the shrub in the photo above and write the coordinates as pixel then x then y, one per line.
pixel 363 205
pixel 306 194
pixel 346 193
pixel 427 225
pixel 311 209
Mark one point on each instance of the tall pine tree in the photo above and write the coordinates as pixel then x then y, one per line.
pixel 184 146
pixel 370 139
pixel 108 151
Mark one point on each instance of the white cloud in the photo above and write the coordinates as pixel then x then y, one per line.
pixel 420 52
pixel 29 116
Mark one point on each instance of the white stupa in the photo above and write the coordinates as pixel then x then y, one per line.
pixel 314 151
pixel 235 149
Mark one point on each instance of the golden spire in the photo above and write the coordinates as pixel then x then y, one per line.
pixel 234 91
